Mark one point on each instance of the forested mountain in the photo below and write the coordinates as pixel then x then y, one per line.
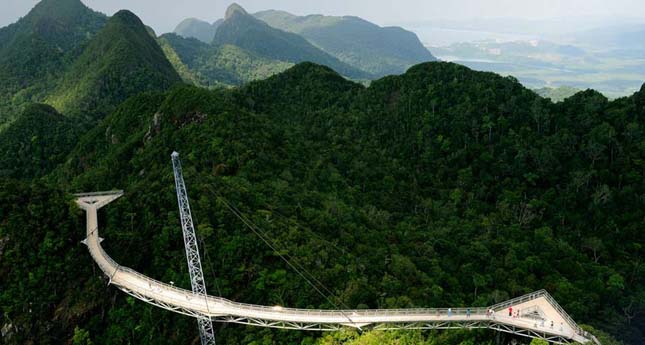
pixel 210 65
pixel 440 187
pixel 68 56
pixel 36 50
pixel 355 41
pixel 243 49
pixel 365 46
pixel 249 33
pixel 121 61
pixel 199 29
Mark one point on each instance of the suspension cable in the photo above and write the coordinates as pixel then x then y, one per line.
pixel 262 235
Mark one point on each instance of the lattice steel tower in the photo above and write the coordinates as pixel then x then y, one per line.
pixel 206 332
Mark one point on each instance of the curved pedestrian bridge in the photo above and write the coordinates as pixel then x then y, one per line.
pixel 540 316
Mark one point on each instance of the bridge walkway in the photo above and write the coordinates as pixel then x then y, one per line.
pixel 183 301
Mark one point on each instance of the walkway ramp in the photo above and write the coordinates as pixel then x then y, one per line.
pixel 563 331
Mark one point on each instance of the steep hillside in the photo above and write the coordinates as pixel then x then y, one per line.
pixel 199 29
pixel 442 186
pixel 36 50
pixel 120 61
pixel 217 65
pixel 249 33
pixel 355 41
pixel 36 142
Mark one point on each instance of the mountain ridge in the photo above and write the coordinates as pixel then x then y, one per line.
pixel 245 31
pixel 356 41
pixel 216 65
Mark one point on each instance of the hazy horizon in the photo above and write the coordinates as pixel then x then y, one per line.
pixel 164 15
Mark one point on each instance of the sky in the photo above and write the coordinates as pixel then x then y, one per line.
pixel 164 15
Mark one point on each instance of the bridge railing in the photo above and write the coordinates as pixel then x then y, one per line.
pixel 105 262
pixel 519 300
pixel 110 267
pixel 111 192
pixel 360 312
pixel 564 314
pixel 552 301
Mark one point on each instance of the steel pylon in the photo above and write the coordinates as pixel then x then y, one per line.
pixel 198 285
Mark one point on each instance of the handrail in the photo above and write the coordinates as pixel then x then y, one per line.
pixel 115 267
pixel 104 193
pixel 562 312
pixel 519 300
pixel 534 295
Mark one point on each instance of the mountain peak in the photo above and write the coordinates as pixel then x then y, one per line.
pixel 59 9
pixel 123 56
pixel 234 8
pixel 199 29
pixel 127 17
pixel 54 4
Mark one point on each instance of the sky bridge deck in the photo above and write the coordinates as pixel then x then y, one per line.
pixel 544 318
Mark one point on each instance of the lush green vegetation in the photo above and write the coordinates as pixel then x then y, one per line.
pixel 378 50
pixel 441 187
pixel 36 142
pixel 64 54
pixel 48 283
pixel 36 50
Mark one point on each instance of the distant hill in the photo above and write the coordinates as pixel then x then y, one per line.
pixel 617 37
pixel 199 29
pixel 36 142
pixel 249 33
pixel 355 41
pixel 37 49
pixel 557 94
pixel 122 60
pixel 217 65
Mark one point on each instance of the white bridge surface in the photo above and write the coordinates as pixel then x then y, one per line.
pixel 537 310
